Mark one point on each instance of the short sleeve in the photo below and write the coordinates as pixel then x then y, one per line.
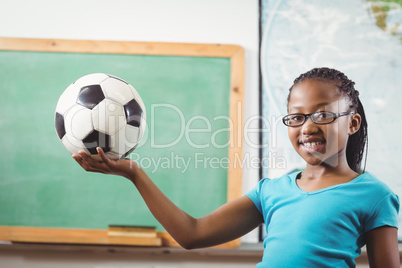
pixel 385 213
pixel 255 195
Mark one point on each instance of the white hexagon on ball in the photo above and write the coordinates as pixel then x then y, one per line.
pixel 73 145
pixel 117 90
pixel 108 117
pixel 125 139
pixel 78 122
pixel 67 99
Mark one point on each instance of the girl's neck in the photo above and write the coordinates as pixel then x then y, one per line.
pixel 324 171
pixel 322 176
pixel 337 166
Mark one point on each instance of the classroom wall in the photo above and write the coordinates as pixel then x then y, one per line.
pixel 195 21
pixel 189 21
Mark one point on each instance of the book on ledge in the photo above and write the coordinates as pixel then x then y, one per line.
pixel 132 231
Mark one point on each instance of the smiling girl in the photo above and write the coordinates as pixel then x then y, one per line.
pixel 320 217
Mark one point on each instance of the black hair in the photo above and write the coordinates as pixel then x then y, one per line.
pixel 357 142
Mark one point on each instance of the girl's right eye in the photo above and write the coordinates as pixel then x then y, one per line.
pixel 296 118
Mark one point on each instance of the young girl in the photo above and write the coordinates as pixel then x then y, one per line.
pixel 320 217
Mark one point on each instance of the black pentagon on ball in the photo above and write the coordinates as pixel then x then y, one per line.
pixel 133 113
pixel 97 139
pixel 90 96
pixel 59 122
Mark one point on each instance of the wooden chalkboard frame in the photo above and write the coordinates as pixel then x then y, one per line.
pixel 234 180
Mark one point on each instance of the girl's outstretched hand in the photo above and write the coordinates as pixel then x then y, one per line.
pixel 124 167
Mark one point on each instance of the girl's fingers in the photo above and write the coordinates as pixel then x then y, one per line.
pixel 87 163
pixel 81 158
pixel 83 155
pixel 81 162
pixel 102 155
pixel 103 164
pixel 78 159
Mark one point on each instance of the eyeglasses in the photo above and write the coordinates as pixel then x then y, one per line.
pixel 320 118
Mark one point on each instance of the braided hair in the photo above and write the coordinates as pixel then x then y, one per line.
pixel 359 140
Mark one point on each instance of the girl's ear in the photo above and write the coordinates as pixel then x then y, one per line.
pixel 354 124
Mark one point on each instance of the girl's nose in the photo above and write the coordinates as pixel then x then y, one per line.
pixel 309 127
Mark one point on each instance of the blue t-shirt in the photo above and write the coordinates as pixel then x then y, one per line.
pixel 323 228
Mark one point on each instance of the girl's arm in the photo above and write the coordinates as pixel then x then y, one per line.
pixel 382 247
pixel 228 222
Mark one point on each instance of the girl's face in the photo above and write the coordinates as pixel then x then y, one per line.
pixel 318 144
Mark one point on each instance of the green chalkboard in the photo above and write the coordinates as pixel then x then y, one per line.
pixel 185 149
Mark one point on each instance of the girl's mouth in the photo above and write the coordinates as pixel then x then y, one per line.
pixel 313 147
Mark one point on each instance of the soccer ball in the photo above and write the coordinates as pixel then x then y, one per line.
pixel 100 110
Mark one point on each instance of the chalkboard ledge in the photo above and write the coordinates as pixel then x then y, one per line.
pixel 21 234
pixel 248 250
pixel 251 252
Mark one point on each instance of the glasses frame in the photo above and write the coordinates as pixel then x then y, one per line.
pixel 336 116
